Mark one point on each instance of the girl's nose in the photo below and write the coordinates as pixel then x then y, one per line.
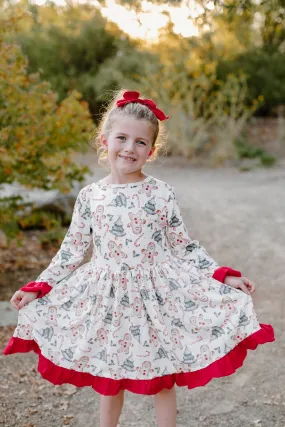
pixel 129 150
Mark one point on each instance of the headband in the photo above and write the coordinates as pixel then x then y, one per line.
pixel 133 96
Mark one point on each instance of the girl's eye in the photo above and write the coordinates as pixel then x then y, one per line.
pixel 120 137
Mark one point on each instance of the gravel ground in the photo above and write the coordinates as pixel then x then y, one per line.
pixel 239 217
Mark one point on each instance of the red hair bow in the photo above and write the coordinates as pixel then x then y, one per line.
pixel 133 96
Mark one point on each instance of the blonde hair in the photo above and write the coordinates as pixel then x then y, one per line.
pixel 136 110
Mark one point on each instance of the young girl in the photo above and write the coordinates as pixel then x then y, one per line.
pixel 151 309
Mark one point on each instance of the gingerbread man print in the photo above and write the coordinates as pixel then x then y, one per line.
pixel 136 222
pixel 149 253
pixel 116 252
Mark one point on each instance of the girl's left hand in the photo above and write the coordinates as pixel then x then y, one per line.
pixel 243 283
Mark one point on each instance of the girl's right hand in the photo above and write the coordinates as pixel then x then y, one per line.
pixel 21 298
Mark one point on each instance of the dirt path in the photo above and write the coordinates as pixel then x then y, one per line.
pixel 239 217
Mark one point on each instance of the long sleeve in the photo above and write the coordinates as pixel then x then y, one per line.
pixel 184 248
pixel 72 250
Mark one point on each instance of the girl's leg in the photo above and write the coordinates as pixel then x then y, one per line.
pixel 165 407
pixel 110 409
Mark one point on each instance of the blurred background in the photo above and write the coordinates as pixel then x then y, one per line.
pixel 218 69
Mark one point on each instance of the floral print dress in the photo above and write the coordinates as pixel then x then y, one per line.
pixel 148 311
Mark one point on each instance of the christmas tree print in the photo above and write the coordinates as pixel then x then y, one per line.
pixel 43 301
pixel 102 355
pixel 159 298
pixel 174 220
pixel 109 316
pixel 81 288
pixel 65 256
pixel 68 354
pixel 125 267
pixel 112 294
pixel 204 263
pixel 189 305
pixel 118 228
pixel 157 237
pixel 97 243
pixel 125 301
pixel 87 212
pixel 161 354
pixel 191 247
pixel 149 207
pixel 225 289
pixel 173 285
pixel 119 200
pixel 188 357
pixel 144 294
pixel 216 332
pixel 47 333
pixel 243 320
pixel 129 365
pixel 66 306
pixel 136 333
pixel 177 323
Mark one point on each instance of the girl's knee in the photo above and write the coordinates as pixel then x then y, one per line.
pixel 166 391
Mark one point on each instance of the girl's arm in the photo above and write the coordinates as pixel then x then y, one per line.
pixel 184 248
pixel 72 250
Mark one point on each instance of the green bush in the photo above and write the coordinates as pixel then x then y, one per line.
pixel 52 237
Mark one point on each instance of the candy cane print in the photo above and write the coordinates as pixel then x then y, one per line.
pixel 62 339
pixel 100 198
pixel 80 226
pixel 107 229
pixel 198 340
pixel 85 351
pixel 115 355
pixel 116 336
pixel 162 198
pixel 144 355
pixel 135 195
pixel 34 321
pixel 226 321
pixel 212 305
pixel 137 240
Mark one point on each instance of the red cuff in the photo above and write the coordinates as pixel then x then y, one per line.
pixel 42 287
pixel 221 273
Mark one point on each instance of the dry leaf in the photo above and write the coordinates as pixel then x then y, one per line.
pixel 67 419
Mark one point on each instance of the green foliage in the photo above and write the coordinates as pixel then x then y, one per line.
pixel 38 136
pixel 247 151
pixel 265 73
pixel 267 160
pixel 52 237
pixel 11 208
pixel 39 220
pixel 206 114
pixel 73 52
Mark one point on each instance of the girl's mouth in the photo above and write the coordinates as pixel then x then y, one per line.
pixel 128 159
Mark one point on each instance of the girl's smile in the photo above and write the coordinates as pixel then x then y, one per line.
pixel 129 159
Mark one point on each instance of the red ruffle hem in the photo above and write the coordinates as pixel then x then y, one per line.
pixel 225 366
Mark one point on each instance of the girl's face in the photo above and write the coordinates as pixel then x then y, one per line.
pixel 129 145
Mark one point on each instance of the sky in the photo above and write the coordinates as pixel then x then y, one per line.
pixel 151 19
pixel 146 24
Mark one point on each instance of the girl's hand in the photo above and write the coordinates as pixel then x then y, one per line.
pixel 21 298
pixel 243 283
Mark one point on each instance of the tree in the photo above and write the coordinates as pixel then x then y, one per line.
pixel 37 135
pixel 77 48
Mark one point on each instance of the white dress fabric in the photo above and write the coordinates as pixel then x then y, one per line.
pixel 145 305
